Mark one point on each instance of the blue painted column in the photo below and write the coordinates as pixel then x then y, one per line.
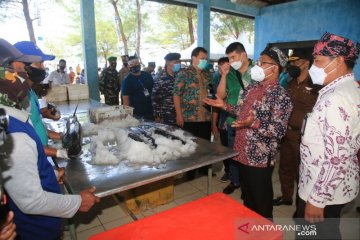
pixel 89 47
pixel 203 29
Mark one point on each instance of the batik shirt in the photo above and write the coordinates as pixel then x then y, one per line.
pixel 192 87
pixel 162 97
pixel 258 144
pixel 329 169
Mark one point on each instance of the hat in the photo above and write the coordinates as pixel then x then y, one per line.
pixel 172 56
pixel 300 53
pixel 276 54
pixel 9 53
pixel 151 64
pixel 30 48
pixel 112 59
pixel 332 45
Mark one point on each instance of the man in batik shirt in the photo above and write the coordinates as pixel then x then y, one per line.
pixel 262 117
pixel 190 88
pixel 162 95
pixel 329 169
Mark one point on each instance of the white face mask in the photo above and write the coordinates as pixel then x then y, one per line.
pixel 258 73
pixel 238 64
pixel 318 74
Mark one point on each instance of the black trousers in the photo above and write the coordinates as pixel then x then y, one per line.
pixel 199 129
pixel 328 229
pixel 224 142
pixel 256 186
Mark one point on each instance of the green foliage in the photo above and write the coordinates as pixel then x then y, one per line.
pixel 173 29
pixel 225 26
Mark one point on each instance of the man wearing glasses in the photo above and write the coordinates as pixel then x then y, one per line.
pixel 262 117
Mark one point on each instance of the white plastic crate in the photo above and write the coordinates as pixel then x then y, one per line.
pixel 97 115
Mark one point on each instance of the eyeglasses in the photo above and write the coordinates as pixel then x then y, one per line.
pixel 259 63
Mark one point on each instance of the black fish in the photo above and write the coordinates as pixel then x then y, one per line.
pixel 140 135
pixel 72 136
pixel 164 133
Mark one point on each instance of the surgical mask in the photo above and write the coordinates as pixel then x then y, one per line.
pixel 135 69
pixel 176 67
pixel 258 73
pixel 238 64
pixel 318 74
pixel 202 64
pixel 36 75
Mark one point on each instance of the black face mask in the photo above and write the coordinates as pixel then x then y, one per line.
pixel 126 64
pixel 135 69
pixel 36 75
pixel 294 71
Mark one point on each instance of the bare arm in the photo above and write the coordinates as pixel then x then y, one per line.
pixel 126 100
pixel 221 89
pixel 179 117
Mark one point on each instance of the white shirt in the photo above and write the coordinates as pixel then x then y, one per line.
pixel 23 181
pixel 329 169
pixel 58 78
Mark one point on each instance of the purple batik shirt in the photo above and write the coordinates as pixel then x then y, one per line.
pixel 329 169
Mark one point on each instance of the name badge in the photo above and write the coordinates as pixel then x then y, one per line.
pixel 146 92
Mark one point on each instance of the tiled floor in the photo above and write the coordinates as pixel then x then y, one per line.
pixel 107 214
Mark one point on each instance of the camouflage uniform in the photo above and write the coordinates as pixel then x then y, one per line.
pixel 162 97
pixel 110 86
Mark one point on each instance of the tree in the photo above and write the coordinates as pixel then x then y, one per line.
pixel 15 5
pixel 120 25
pixel 225 26
pixel 176 26
pixel 138 35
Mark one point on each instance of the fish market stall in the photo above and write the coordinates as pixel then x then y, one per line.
pixel 82 173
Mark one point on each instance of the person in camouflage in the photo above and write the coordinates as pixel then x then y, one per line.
pixel 162 95
pixel 109 83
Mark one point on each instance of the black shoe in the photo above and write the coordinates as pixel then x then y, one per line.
pixel 280 201
pixel 230 188
pixel 224 178
pixel 358 209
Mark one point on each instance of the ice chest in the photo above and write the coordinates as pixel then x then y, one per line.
pixel 78 92
pixel 57 93
pixel 97 115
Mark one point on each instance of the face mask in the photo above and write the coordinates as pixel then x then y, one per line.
pixel 257 73
pixel 318 74
pixel 135 69
pixel 294 71
pixel 176 67
pixel 36 75
pixel 202 64
pixel 238 64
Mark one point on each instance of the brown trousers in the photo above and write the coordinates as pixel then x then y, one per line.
pixel 289 163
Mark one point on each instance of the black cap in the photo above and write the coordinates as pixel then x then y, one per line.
pixel 152 64
pixel 9 53
pixel 301 53
pixel 172 56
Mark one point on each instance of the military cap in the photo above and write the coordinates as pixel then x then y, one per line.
pixel 172 56
pixel 112 59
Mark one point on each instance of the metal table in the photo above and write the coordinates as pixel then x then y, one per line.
pixel 109 179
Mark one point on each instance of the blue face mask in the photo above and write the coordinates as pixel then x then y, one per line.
pixel 176 67
pixel 202 64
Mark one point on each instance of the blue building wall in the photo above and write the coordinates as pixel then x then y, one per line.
pixel 304 20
